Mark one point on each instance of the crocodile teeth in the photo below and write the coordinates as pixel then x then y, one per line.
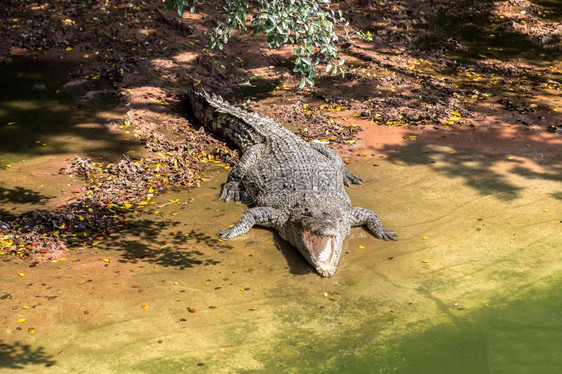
pixel 325 254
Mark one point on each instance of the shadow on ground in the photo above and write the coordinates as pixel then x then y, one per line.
pixel 38 116
pixel 479 170
pixel 159 244
pixel 18 356
pixel 19 195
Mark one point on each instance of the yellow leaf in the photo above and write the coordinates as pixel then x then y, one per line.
pixel 144 306
pixel 361 247
pixel 21 274
pixel 21 320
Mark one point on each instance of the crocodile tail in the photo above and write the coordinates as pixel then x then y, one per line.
pixel 225 120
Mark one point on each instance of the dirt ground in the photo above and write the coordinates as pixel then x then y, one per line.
pixel 482 76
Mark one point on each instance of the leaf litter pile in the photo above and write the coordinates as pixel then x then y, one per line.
pixel 174 158
pixel 319 124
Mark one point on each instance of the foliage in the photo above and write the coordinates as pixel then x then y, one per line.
pixel 305 24
pixel 365 36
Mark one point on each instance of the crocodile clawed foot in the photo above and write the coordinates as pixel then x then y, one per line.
pixel 231 192
pixel 385 235
pixel 349 178
pixel 227 234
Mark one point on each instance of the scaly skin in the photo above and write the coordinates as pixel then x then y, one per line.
pixel 293 186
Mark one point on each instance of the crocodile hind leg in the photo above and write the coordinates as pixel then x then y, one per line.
pixel 233 190
pixel 262 216
pixel 348 177
pixel 362 216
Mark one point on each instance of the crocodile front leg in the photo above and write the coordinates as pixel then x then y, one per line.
pixel 262 216
pixel 362 216
pixel 348 177
pixel 233 188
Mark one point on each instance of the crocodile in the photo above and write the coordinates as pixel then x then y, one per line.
pixel 290 185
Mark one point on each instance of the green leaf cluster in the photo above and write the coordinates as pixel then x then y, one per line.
pixel 308 25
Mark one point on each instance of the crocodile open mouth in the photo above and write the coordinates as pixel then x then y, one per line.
pixel 323 252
